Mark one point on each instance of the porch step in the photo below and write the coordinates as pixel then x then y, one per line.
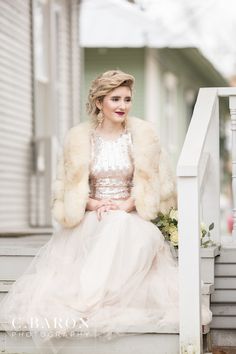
pixel 223 300
pixel 136 343
pixel 207 289
pixel 16 253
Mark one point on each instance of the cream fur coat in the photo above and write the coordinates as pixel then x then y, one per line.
pixel 154 187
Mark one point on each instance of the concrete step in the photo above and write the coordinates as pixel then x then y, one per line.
pixel 224 296
pixel 225 283
pixel 225 269
pixel 224 309
pixel 223 322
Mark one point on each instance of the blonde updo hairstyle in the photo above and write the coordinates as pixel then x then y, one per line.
pixel 103 85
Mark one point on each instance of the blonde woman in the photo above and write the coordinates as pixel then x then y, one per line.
pixel 107 267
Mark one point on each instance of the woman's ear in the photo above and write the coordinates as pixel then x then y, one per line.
pixel 98 104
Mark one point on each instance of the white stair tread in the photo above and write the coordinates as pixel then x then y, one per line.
pixel 147 328
pixel 22 245
pixel 142 329
pixel 130 344
pixel 5 285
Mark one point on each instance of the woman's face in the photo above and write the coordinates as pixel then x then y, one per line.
pixel 116 104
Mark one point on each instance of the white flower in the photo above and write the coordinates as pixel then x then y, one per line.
pixel 174 236
pixel 174 214
pixel 203 226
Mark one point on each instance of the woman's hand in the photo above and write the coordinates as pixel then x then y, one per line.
pixel 127 205
pixel 104 209
pixel 94 204
pixel 101 206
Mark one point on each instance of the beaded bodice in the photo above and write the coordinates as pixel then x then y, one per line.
pixel 111 167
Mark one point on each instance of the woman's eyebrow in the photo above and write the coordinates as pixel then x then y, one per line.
pixel 120 96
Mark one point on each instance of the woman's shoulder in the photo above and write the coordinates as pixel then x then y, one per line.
pixel 79 130
pixel 142 126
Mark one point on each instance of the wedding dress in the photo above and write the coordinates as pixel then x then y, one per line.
pixel 101 277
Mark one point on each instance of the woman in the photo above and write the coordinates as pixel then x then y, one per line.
pixel 107 267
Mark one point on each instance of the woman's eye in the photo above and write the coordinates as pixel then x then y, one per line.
pixel 116 99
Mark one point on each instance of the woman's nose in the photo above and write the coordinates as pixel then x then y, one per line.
pixel 122 104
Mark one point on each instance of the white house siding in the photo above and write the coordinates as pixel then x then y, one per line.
pixel 64 67
pixel 68 65
pixel 35 108
pixel 57 90
pixel 16 122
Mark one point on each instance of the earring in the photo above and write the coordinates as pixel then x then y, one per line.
pixel 100 118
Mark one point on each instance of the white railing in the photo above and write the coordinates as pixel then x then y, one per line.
pixel 198 174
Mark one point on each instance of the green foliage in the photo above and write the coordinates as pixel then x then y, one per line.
pixel 168 225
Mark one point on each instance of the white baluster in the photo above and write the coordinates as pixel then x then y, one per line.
pixel 232 106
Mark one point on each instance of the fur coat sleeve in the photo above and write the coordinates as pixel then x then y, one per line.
pixel 71 187
pixel 154 183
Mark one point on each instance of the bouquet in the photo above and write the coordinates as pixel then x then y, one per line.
pixel 168 225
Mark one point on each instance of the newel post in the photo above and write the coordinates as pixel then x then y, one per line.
pixel 232 106
pixel 189 265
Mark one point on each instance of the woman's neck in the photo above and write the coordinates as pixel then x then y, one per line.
pixel 110 129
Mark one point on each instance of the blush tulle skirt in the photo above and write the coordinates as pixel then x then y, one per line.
pixel 98 279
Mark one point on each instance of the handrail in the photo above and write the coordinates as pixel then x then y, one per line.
pixel 189 160
pixel 199 190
